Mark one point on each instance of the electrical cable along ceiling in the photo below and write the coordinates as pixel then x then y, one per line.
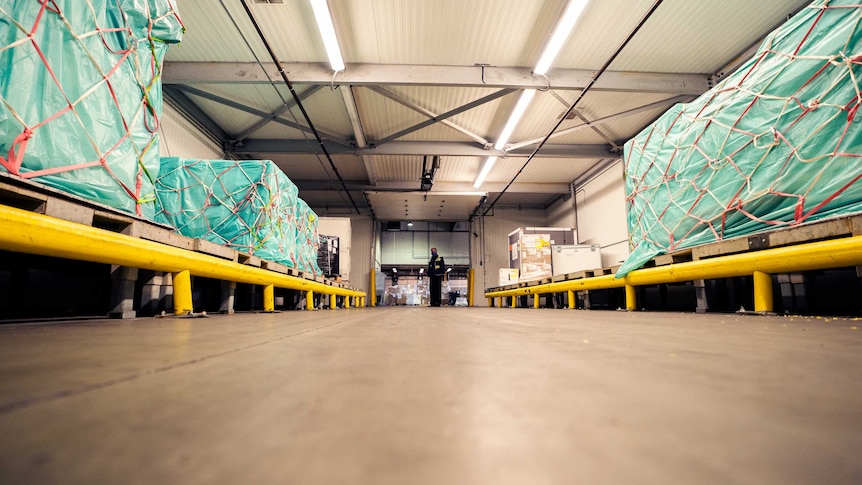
pixel 467 82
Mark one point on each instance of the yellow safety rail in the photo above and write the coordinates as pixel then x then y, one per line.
pixel 28 232
pixel 836 253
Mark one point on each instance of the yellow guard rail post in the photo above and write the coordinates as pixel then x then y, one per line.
pixel 373 287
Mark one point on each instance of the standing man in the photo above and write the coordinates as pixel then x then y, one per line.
pixel 436 270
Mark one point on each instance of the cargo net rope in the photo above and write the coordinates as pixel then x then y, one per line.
pixel 777 143
pixel 248 205
pixel 80 95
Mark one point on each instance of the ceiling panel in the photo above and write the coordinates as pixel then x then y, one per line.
pixel 381 116
pixel 274 130
pixel 539 170
pixel 398 168
pixel 230 120
pixel 458 169
pixel 332 202
pixel 444 32
pixel 423 206
pixel 700 36
pixel 210 34
pixel 683 36
pixel 310 167
pixel 523 200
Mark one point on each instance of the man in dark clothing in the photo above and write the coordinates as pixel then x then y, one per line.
pixel 436 270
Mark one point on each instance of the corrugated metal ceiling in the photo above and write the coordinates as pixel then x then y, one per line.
pixel 683 36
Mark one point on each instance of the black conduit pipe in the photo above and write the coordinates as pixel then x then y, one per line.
pixel 589 85
pixel 298 103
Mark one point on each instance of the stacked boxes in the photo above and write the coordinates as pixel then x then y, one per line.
pixel 327 255
pixel 530 250
pixel 250 206
pixel 81 96
pixel 774 144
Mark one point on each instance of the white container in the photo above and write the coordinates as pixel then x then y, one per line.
pixel 573 258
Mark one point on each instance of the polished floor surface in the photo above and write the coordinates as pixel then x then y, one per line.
pixel 433 396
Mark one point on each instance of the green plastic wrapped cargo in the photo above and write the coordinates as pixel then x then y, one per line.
pixel 80 112
pixel 248 205
pixel 777 143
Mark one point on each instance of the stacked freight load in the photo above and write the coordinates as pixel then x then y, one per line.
pixel 777 143
pixel 80 95
pixel 250 206
pixel 327 255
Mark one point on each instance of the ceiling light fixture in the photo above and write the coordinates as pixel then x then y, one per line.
pixel 486 167
pixel 564 28
pixel 327 31
pixel 561 32
pixel 515 117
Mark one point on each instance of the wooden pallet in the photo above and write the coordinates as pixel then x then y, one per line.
pixel 806 233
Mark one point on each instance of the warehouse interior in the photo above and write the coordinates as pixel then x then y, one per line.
pixel 217 219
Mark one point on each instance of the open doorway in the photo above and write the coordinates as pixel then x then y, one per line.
pixel 405 249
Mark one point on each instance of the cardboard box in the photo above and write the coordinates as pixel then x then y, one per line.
pixel 508 276
pixel 530 250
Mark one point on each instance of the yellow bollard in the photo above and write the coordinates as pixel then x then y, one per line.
pixel 309 300
pixel 514 302
pixel 470 286
pixel 332 301
pixel 373 288
pixel 762 292
pixel 183 293
pixel 491 302
pixel 347 302
pixel 536 300
pixel 631 298
pixel 269 298
pixel 571 300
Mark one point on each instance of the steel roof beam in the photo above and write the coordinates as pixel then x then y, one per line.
pixel 658 104
pixel 387 93
pixel 448 114
pixel 196 115
pixel 421 75
pixel 420 148
pixel 413 186
pixel 277 113
pixel 358 132
pixel 256 112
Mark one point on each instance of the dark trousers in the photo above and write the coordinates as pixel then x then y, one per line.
pixel 435 290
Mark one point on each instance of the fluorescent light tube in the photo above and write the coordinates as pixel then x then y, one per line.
pixel 564 28
pixel 489 164
pixel 515 117
pixel 327 31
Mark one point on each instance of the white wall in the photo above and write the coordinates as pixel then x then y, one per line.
pixel 561 214
pixel 601 214
pixel 360 250
pixel 179 138
pixel 414 247
pixel 341 228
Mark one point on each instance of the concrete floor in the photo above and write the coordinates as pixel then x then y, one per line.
pixel 433 396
